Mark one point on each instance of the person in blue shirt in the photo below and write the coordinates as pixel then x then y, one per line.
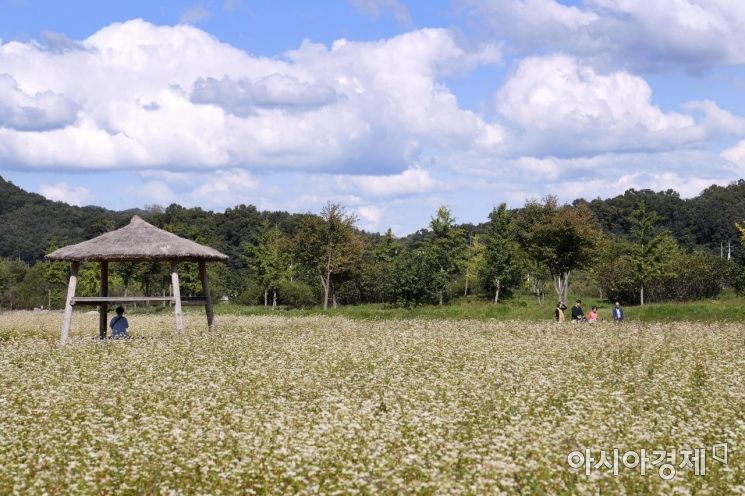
pixel 618 312
pixel 119 324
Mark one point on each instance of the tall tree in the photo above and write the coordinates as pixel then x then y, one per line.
pixel 325 244
pixel 648 253
pixel 502 267
pixel 447 248
pixel 377 268
pixel 559 238
pixel 12 273
pixel 269 260
pixel 474 260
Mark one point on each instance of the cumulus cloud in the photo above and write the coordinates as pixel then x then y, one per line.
pixel 225 187
pixel 369 216
pixel 175 97
pixel 557 105
pixel 409 182
pixel 218 189
pixel 690 34
pixel 242 97
pixel 60 191
pixel 59 42
pixel 736 156
pixel 40 111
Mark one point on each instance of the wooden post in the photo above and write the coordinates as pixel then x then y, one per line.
pixel 104 291
pixel 177 296
pixel 67 320
pixel 208 298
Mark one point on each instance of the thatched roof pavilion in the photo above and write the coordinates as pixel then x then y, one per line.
pixel 136 242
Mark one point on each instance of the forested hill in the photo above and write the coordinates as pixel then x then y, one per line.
pixel 29 222
pixel 702 221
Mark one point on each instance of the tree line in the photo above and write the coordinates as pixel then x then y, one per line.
pixel 302 260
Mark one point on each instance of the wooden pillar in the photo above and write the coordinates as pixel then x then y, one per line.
pixel 177 297
pixel 67 320
pixel 103 308
pixel 207 296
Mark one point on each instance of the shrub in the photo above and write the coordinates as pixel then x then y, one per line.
pixel 297 294
pixel 253 294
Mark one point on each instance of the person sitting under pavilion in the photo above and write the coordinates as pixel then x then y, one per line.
pixel 119 324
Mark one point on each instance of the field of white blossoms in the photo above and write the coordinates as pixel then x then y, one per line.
pixel 271 405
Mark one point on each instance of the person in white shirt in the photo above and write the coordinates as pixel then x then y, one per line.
pixel 618 312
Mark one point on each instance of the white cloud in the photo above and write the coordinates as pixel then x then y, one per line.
pixel 369 217
pixel 154 192
pixel 167 176
pixel 373 8
pixel 689 34
pixel 60 191
pixel 225 187
pixel 716 121
pixel 245 97
pixel 176 98
pixel 687 186
pixel 556 105
pixel 409 182
pixel 41 111
pixel 736 156
pixel 218 189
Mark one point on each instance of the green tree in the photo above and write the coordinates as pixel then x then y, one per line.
pixel 376 263
pixel 473 261
pixel 33 290
pixel 56 275
pixel 387 248
pixel 737 270
pixel 12 273
pixel 559 238
pixel 502 269
pixel 413 280
pixel 270 261
pixel 650 249
pixel 326 244
pixel 446 248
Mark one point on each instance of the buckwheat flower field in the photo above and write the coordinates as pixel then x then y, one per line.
pixel 271 405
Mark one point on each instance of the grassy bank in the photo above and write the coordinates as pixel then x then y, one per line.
pixel 727 308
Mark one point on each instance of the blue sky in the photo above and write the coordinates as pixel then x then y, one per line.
pixel 391 107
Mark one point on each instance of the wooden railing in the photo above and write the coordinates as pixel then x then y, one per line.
pixel 108 300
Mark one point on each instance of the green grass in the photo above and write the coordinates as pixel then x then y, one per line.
pixel 728 308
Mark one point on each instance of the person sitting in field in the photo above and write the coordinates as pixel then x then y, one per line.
pixel 592 315
pixel 560 307
pixel 577 314
pixel 119 324
pixel 617 312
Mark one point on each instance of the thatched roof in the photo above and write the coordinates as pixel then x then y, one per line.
pixel 137 241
